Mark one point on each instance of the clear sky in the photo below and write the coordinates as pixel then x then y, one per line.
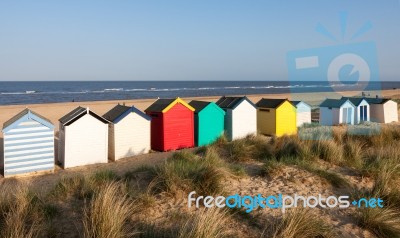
pixel 181 40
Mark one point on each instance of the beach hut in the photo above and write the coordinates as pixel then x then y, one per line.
pixel 208 122
pixel 128 132
pixel 383 110
pixel 362 112
pixel 28 144
pixel 336 111
pixel 172 124
pixel 303 113
pixel 276 117
pixel 240 116
pixel 83 138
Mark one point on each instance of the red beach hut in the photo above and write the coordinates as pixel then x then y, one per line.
pixel 172 124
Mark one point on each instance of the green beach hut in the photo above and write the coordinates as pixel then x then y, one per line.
pixel 208 122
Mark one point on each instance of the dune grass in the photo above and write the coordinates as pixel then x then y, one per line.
pixel 106 214
pixel 205 223
pixel 382 222
pixel 298 223
pixel 20 214
pixel 185 172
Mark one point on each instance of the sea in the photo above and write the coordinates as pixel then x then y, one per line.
pixel 32 92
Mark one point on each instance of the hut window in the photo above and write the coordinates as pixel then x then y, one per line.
pixel 265 110
pixel 154 115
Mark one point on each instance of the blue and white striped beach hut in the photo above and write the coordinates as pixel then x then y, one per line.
pixel 28 144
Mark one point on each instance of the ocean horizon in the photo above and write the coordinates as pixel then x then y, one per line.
pixel 32 92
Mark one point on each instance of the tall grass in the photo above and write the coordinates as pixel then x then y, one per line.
pixel 205 223
pixel 298 223
pixel 185 172
pixel 107 212
pixel 383 222
pixel 329 151
pixel 20 215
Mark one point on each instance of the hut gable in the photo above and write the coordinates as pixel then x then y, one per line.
pixel 77 113
pixel 270 103
pixel 28 144
pixel 118 112
pixel 232 102
pixel 24 115
pixel 163 105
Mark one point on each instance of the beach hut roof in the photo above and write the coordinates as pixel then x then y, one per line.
pixel 354 100
pixel 26 113
pixel 232 102
pixel 77 113
pixel 120 111
pixel 295 103
pixel 200 105
pixel 163 105
pixel 270 103
pixel 334 103
pixel 377 100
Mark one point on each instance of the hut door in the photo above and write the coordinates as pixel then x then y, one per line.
pixel 347 111
pixel 363 113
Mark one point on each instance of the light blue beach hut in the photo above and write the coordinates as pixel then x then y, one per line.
pixel 28 144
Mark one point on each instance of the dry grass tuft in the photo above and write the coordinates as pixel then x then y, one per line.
pixel 185 172
pixel 329 151
pixel 298 223
pixel 205 223
pixel 107 212
pixel 383 222
pixel 20 213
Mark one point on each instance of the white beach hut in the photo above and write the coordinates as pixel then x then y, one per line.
pixel 83 138
pixel 336 111
pixel 240 117
pixel 28 144
pixel 383 110
pixel 362 112
pixel 129 132
pixel 303 113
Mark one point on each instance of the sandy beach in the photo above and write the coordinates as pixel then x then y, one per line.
pixel 54 111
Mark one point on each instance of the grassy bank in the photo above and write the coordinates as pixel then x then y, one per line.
pixel 150 201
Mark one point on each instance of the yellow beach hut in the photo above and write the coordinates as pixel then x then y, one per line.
pixel 276 117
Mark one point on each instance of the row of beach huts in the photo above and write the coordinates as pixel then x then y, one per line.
pixel 168 124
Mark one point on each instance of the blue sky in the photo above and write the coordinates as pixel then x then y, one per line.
pixel 181 40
